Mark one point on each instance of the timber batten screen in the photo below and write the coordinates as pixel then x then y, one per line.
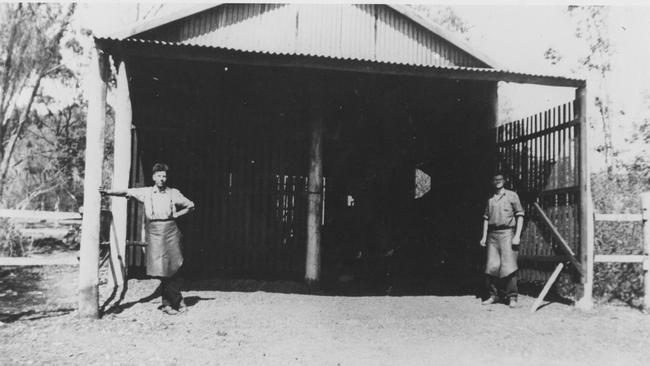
pixel 540 156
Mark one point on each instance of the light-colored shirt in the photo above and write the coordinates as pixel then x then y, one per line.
pixel 502 209
pixel 159 204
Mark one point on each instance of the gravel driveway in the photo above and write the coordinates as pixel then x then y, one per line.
pixel 268 323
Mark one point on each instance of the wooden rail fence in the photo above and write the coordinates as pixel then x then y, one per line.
pixel 632 258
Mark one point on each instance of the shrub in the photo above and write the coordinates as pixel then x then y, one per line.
pixel 618 282
pixel 11 242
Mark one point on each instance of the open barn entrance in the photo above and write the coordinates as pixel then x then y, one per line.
pixel 406 164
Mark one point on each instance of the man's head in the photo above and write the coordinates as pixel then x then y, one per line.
pixel 159 177
pixel 498 180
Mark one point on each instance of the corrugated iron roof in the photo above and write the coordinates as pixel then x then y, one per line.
pixel 496 74
pixel 149 24
pixel 442 32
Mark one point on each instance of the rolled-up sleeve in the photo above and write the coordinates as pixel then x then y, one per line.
pixel 139 194
pixel 516 205
pixel 486 212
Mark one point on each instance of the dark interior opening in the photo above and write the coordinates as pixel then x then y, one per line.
pixel 406 163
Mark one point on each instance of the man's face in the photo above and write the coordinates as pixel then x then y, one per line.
pixel 498 181
pixel 160 179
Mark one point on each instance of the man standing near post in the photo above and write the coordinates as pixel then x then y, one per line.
pixel 502 224
pixel 162 206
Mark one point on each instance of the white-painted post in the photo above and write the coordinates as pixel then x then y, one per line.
pixel 585 298
pixel 121 170
pixel 89 252
pixel 645 204
pixel 315 188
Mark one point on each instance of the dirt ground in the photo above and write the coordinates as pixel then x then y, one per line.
pixel 245 322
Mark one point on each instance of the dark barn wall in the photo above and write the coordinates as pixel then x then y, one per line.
pixel 236 138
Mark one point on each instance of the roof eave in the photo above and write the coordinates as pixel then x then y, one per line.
pixel 170 50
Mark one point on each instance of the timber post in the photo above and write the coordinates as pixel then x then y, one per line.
pixel 585 300
pixel 494 106
pixel 493 127
pixel 314 185
pixel 90 225
pixel 121 170
pixel 645 207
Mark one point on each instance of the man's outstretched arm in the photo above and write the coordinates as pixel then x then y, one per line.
pixel 113 192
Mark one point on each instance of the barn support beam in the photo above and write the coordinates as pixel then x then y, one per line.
pixel 96 77
pixel 585 300
pixel 315 185
pixel 492 124
pixel 494 105
pixel 121 170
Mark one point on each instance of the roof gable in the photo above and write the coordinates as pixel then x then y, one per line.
pixel 383 33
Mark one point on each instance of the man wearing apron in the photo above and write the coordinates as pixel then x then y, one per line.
pixel 502 225
pixel 163 257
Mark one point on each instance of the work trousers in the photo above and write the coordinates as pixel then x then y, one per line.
pixel 505 287
pixel 171 290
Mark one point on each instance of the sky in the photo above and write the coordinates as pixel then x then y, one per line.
pixel 516 37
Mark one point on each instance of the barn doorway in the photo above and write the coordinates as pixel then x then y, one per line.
pixel 407 162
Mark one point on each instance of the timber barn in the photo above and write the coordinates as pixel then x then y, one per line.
pixel 320 140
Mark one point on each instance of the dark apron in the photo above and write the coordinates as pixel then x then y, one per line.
pixel 501 259
pixel 163 255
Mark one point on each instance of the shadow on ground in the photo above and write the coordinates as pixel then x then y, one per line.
pixel 119 307
pixel 333 287
pixel 34 314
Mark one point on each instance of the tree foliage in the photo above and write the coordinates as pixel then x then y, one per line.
pixel 444 16
pixel 592 28
pixel 48 168
pixel 30 52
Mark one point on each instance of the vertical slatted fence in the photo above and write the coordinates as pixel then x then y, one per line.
pixel 539 156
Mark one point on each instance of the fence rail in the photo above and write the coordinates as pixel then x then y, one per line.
pixel 632 258
pixel 39 215
pixel 619 217
pixel 620 258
